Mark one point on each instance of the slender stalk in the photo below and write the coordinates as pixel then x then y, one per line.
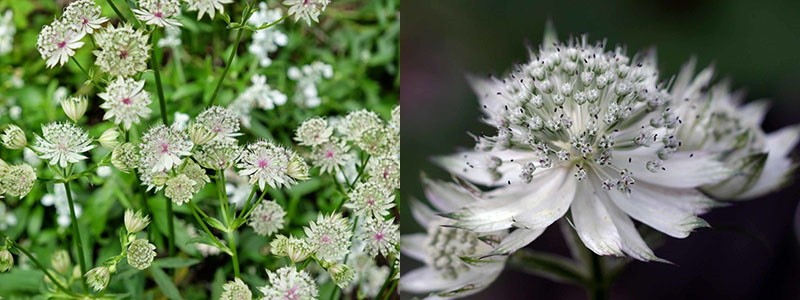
pixel 44 269
pixel 76 234
pixel 388 279
pixel 334 294
pixel 239 33
pixel 598 289
pixel 252 208
pixel 163 106
pixel 82 69
pixel 116 11
pixel 234 255
pixel 246 206
pixel 223 197
pixel 203 225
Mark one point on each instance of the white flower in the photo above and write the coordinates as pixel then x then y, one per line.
pixel 288 283
pixel 307 77
pixel 307 10
pixel 171 39
pixel 341 274
pixel 17 180
pixel 109 138
pixel 267 40
pixel 84 16
pixel 258 94
pixel 141 254
pixel 358 122
pixel 135 221
pixel 57 42
pixel 125 157
pixel 267 218
pixel 331 156
pixel 218 155
pixel 221 121
pixel 123 50
pixel 266 164
pixel 209 7
pixel 583 129
pixel 14 138
pixel 329 237
pixel 237 289
pixel 369 199
pixel 716 121
pixel 385 171
pixel 381 237
pixel 443 248
pixel 158 12
pixel 98 278
pixel 162 148
pixel 126 102
pixel 7 31
pixel 75 107
pixel 313 132
pixel 295 249
pixel 62 143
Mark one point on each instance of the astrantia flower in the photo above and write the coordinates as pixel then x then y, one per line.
pixel 109 138
pixel 218 155
pixel 313 132
pixel 358 122
pixel 395 122
pixel 331 156
pixel 141 254
pixel 295 249
pixel 716 121
pixel 135 221
pixel 62 143
pixel 98 278
pixel 370 199
pixel 123 50
pixel 266 164
pixel 236 289
pixel 162 148
pixel 57 42
pixel 6 260
pixel 180 189
pixel 18 180
pixel 583 129
pixel 125 157
pixel 307 10
pixel 221 121
pixel 14 137
pixel 126 102
pixel 84 16
pixel 267 218
pixel 75 107
pixel 329 237
pixel 341 274
pixel 449 253
pixel 385 171
pixel 288 283
pixel 158 12
pixel 381 237
pixel 209 7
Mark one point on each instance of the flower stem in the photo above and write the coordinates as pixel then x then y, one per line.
pixel 239 33
pixel 44 269
pixel 156 64
pixel 203 225
pixel 234 255
pixel 116 11
pixel 76 234
pixel 598 289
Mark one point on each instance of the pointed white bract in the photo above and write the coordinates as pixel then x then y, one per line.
pixel 57 42
pixel 126 102
pixel 160 13
pixel 62 143
pixel 84 16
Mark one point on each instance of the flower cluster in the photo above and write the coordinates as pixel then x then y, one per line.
pixel 139 252
pixel 260 95
pixel 58 41
pixel 307 77
pixel 160 13
pixel 124 51
pixel 209 7
pixel 266 41
pixel 592 132
pixel 307 10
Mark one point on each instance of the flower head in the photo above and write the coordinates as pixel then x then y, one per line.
pixel 109 138
pixel 288 283
pixel 385 171
pixel 236 289
pixel 61 262
pixel 141 254
pixel 267 218
pixel 341 274
pixel 162 148
pixel 266 164
pixel 307 10
pixel 381 237
pixel 160 13
pixel 98 278
pixel 331 156
pixel 370 199
pixel 57 42
pixel 221 121
pixel 6 260
pixel 14 137
pixel 209 7
pixel 295 249
pixel 18 180
pixel 180 189
pixel 74 107
pixel 360 121
pixel 329 237
pixel 84 16
pixel 62 143
pixel 313 132
pixel 126 101
pixel 135 221
pixel 125 157
pixel 123 50
pixel 218 155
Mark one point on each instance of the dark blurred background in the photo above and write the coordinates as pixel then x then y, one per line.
pixel 753 250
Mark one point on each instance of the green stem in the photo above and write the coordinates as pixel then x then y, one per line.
pixel 163 106
pixel 598 289
pixel 76 234
pixel 246 206
pixel 203 225
pixel 82 69
pixel 223 197
pixel 334 294
pixel 250 211
pixel 116 11
pixel 239 33
pixel 44 269
pixel 234 255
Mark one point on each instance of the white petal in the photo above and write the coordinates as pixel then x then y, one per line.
pixel 593 222
pixel 669 210
pixel 413 245
pixel 424 280
pixel 778 166
pixel 471 165
pixel 422 213
pixel 446 196
pixel 681 170
pixel 519 238
pixel 753 112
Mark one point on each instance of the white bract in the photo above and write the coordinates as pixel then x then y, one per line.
pixel 62 143
pixel 126 102
pixel 123 50
pixel 84 16
pixel 289 283
pixel 160 13
pixel 57 42
pixel 209 7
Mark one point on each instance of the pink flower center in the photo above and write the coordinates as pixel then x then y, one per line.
pixel 158 14
pixel 379 236
pixel 84 20
pixel 123 54
pixel 325 239
pixel 263 163
pixel 126 101
pixel 164 148
pixel 291 294
pixel 62 44
pixel 370 202
pixel 329 154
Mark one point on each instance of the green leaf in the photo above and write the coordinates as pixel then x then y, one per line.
pixel 547 265
pixel 213 222
pixel 165 283
pixel 175 262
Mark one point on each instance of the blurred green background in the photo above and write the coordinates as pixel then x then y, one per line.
pixel 756 44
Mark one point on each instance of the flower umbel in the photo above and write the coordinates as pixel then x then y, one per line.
pixel 123 50
pixel 141 254
pixel 126 102
pixel 329 237
pixel 62 143
pixel 158 12
pixel 57 42
pixel 267 218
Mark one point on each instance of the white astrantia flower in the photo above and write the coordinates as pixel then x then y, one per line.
pixel 370 199
pixel 329 237
pixel 7 31
pixel 125 157
pixel 307 10
pixel 57 42
pixel 141 254
pixel 267 218
pixel 179 189
pixel 307 77
pixel 289 283
pixel 16 180
pixel 385 171
pixel 123 50
pixel 381 237
pixel 209 7
pixel 313 132
pixel 160 13
pixel 221 121
pixel 716 121
pixel 84 16
pixel 452 268
pixel 331 156
pixel 268 40
pixel 266 164
pixel 62 143
pixel 358 122
pixel 236 289
pixel 126 101
pixel 218 155
pixel 75 107
pixel 14 138
pixel 588 130
pixel 98 278
pixel 260 95
pixel 162 148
